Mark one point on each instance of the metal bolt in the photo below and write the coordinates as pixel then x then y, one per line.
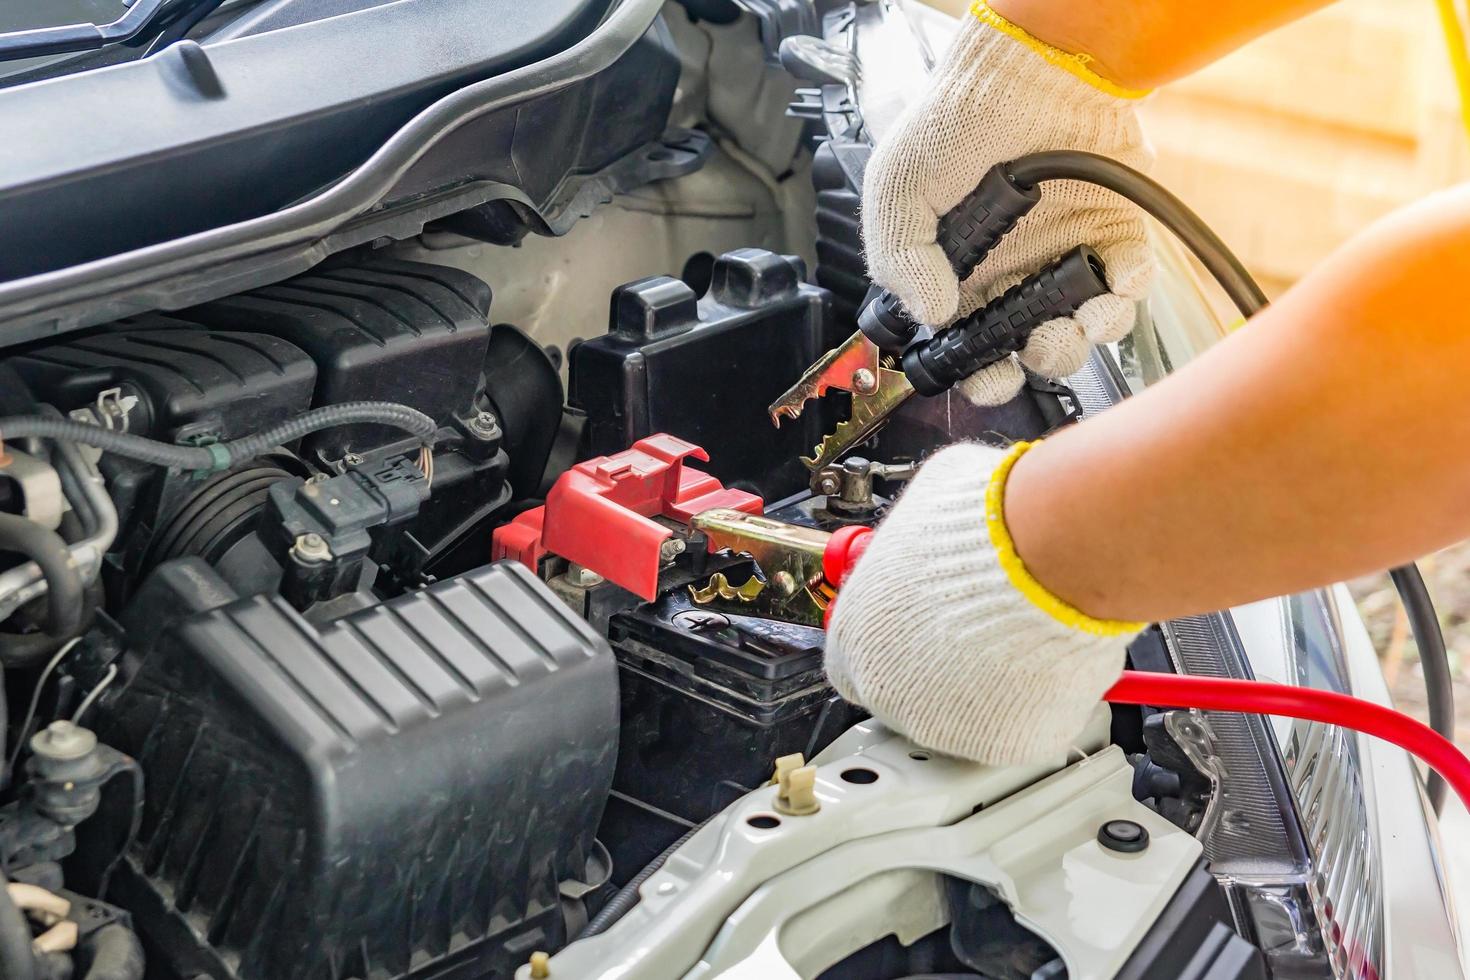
pixel 485 423
pixel 62 740
pixel 785 583
pixel 864 382
pixel 312 548
pixel 352 459
pixel 854 477
pixel 671 548
pixel 583 578
pixel 700 620
pixel 828 483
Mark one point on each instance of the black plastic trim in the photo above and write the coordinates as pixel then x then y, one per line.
pixel 1192 938
pixel 293 238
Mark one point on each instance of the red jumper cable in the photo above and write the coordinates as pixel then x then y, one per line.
pixel 1309 704
pixel 1248 697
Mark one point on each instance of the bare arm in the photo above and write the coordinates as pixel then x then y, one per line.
pixel 1146 43
pixel 1328 438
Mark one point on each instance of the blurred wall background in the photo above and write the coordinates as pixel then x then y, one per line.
pixel 1296 142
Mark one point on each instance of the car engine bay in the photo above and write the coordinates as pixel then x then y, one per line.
pixel 368 705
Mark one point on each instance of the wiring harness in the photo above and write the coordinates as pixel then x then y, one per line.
pixel 220 455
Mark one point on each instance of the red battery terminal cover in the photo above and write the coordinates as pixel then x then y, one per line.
pixel 598 514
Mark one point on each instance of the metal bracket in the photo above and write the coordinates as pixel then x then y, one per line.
pixel 109 410
pixel 757 894
pixel 40 486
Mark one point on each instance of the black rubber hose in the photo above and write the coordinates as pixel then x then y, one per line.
pixel 83 515
pixel 1247 296
pixel 22 651
pixel 627 897
pixel 71 469
pixel 1439 684
pixel 17 961
pixel 63 580
pixel 1151 196
pixel 116 954
pixel 223 455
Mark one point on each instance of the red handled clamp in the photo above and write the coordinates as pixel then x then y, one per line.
pixel 843 550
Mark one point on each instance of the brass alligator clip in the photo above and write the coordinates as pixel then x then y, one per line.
pixel 719 587
pixel 789 557
pixel 856 366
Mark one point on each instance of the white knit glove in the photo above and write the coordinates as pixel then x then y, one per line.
pixel 998 95
pixel 931 636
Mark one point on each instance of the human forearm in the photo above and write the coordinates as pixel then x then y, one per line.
pixel 1147 43
pixel 1327 439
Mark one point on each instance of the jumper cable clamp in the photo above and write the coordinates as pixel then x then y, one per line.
pixel 867 364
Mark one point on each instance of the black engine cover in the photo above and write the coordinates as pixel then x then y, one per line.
pixel 398 794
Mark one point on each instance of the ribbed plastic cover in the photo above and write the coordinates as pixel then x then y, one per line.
pixel 414 331
pixel 409 783
pixel 236 383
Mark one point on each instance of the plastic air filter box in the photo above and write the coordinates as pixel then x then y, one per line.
pixel 181 381
pixel 185 378
pixel 405 332
pixel 398 794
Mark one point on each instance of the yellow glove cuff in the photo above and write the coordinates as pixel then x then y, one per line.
pixel 1074 64
pixel 1024 582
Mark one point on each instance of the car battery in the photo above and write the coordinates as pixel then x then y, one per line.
pixel 709 699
